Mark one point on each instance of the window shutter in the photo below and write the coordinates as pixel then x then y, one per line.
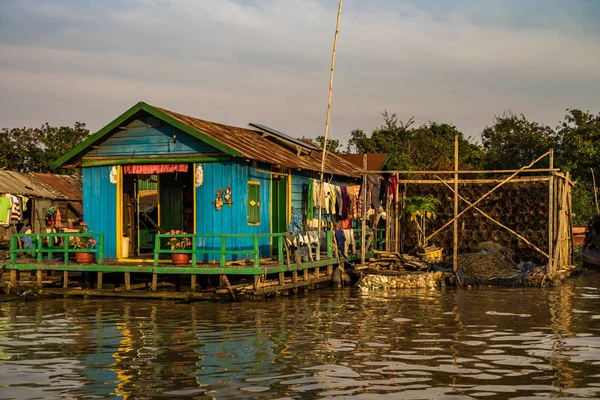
pixel 253 203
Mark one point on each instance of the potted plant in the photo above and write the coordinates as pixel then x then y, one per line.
pixel 179 243
pixel 421 209
pixel 83 242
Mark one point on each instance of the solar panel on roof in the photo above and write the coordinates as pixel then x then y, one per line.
pixel 283 136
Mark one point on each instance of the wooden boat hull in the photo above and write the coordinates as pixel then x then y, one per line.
pixel 591 258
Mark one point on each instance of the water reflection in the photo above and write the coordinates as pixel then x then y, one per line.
pixel 503 343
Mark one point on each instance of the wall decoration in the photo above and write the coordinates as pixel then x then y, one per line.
pixel 219 201
pixel 113 175
pixel 228 196
pixel 199 175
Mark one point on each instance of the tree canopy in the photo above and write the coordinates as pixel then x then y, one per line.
pixel 34 149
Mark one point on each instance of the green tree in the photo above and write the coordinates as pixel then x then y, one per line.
pixel 415 148
pixel 34 149
pixel 513 142
pixel 333 145
pixel 578 151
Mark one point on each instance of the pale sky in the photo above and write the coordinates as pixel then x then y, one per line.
pixel 267 61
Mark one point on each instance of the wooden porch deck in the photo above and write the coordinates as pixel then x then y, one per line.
pixel 113 278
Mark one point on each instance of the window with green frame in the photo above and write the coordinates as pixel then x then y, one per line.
pixel 253 203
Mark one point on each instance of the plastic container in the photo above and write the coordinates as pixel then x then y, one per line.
pixel 125 247
pixel 434 255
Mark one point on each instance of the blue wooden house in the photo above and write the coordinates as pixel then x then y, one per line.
pixel 152 170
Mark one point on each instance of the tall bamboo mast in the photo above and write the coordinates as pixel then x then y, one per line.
pixel 455 241
pixel 328 118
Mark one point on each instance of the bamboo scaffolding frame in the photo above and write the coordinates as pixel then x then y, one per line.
pixel 470 171
pixel 486 195
pixel 551 215
pixel 499 223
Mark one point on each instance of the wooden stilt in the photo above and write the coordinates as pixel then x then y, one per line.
pixel 39 275
pixel 193 283
pixel 99 280
pixel 127 280
pixel 317 272
pixel 281 278
pixel 256 282
pixel 305 274
pixel 65 279
pixel 14 277
pixel 295 280
pixel 154 282
pixel 329 270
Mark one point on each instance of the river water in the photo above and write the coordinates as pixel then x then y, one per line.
pixel 469 343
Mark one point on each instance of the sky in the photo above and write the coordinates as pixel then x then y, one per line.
pixel 461 62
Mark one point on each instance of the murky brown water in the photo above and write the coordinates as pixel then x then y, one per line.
pixel 495 343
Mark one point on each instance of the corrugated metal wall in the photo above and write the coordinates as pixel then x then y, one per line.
pixel 234 218
pixel 100 206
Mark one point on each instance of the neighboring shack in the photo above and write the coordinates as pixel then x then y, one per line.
pixel 48 201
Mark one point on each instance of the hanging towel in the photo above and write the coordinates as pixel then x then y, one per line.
pixel 5 210
pixel 341 241
pixel 310 204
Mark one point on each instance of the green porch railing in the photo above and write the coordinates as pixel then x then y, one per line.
pixel 222 251
pixel 38 249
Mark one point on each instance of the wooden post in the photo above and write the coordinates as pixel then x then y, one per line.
pixel 127 280
pixel 295 280
pixel 329 270
pixel 328 117
pixel 256 283
pixel 317 272
pixel 65 279
pixel 396 218
pixel 570 210
pixel 364 211
pixel 455 242
pixel 281 279
pixel 595 191
pixel 193 282
pixel 551 215
pixel 99 280
pixel 154 282
pixel 14 277
pixel 388 226
pixel 39 277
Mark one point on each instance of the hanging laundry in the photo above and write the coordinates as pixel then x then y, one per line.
pixel 345 201
pixel 374 185
pixel 296 222
pixel 15 210
pixel 332 198
pixel 5 209
pixel 392 185
pixel 310 205
pixel 341 241
pixel 327 196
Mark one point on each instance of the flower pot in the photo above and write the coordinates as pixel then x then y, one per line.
pixel 84 258
pixel 180 258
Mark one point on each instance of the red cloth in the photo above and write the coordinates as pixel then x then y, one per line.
pixel 151 169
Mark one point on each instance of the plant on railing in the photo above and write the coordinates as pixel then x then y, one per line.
pixel 82 242
pixel 179 243
pixel 420 209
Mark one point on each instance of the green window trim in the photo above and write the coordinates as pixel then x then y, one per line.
pixel 253 203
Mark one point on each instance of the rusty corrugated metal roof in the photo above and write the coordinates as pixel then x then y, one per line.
pixel 255 147
pixel 69 186
pixel 375 161
pixel 47 186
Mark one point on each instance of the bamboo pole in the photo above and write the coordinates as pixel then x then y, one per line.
pixel 499 223
pixel 396 219
pixel 455 228
pixel 328 117
pixel 388 226
pixel 551 215
pixel 560 250
pixel 570 204
pixel 486 195
pixel 471 181
pixel 471 171
pixel 364 215
pixel 595 191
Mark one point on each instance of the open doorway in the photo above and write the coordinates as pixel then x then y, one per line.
pixel 155 202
